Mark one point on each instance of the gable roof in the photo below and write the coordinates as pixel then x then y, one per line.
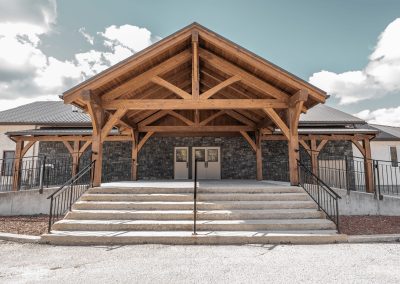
pixel 323 114
pixel 54 113
pixel 172 45
pixel 387 133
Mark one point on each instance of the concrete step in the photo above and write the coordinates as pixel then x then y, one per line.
pixel 188 214
pixel 187 225
pixel 148 190
pixel 186 237
pixel 218 205
pixel 201 197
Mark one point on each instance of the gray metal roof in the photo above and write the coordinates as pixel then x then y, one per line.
pixel 323 114
pixel 333 131
pixel 387 133
pixel 56 131
pixel 45 113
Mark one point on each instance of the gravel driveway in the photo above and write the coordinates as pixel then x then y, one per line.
pixel 342 263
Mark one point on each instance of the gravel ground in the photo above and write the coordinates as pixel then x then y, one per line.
pixel 26 225
pixel 340 263
pixel 369 225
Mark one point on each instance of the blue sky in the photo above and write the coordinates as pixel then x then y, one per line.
pixel 349 48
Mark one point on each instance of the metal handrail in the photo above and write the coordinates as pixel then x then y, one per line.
pixel 325 197
pixel 195 198
pixel 62 199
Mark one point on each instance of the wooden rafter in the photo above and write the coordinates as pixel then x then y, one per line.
pixel 116 117
pixel 154 117
pixel 248 78
pixel 219 87
pixel 144 78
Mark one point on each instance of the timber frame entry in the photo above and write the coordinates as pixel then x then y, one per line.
pixel 194 82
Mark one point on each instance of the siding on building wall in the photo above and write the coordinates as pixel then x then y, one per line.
pixel 6 144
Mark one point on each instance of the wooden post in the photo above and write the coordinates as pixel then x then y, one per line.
pixel 75 158
pixel 135 151
pixel 259 175
pixel 17 165
pixel 314 156
pixel 369 183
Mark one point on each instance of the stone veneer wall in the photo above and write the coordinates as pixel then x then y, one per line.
pixel 156 159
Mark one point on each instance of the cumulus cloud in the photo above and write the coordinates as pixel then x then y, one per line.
pixel 28 74
pixel 384 116
pixel 379 78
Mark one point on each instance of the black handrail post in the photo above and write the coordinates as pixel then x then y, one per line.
pixel 377 182
pixel 51 214
pixel 195 198
pixel 42 172
pixel 347 174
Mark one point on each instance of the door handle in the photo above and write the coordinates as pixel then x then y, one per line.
pixel 187 164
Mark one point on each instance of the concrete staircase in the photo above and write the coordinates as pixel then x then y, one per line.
pixel 226 215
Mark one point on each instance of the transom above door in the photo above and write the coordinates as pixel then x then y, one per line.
pixel 208 162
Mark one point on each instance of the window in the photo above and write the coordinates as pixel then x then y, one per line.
pixel 8 163
pixel 393 156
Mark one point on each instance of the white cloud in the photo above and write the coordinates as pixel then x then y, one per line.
pixel 28 74
pixel 130 37
pixel 384 116
pixel 88 37
pixel 379 78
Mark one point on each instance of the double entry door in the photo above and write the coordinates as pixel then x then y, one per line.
pixel 208 162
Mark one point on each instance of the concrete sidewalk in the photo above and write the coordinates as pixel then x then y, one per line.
pixel 339 263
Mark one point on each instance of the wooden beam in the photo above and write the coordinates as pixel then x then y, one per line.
pixel 195 66
pixel 181 117
pixel 240 118
pixel 197 117
pixel 58 138
pixel 293 116
pixel 176 90
pixel 248 78
pixel 112 121
pixel 215 128
pixel 220 86
pixel 278 121
pixel 212 117
pixel 144 139
pixel 249 140
pixel 314 156
pixel 145 77
pixel 172 104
